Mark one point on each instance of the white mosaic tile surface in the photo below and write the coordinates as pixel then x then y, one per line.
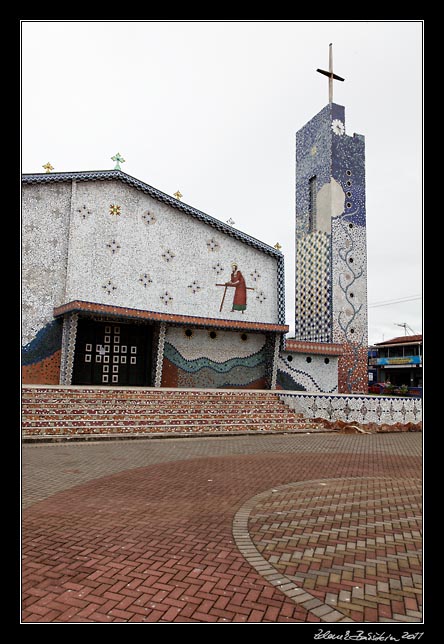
pixel 313 376
pixel 363 409
pixel 154 257
pixel 225 346
pixel 45 223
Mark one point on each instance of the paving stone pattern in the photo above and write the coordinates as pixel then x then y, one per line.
pixel 344 547
pixel 150 530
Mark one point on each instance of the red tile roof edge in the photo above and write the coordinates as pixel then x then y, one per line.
pixel 321 348
pixel 108 309
pixel 403 339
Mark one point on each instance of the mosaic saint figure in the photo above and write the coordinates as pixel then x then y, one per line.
pixel 240 292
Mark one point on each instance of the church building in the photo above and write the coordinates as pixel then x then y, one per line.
pixel 124 285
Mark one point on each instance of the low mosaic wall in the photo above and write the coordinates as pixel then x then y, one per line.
pixel 354 407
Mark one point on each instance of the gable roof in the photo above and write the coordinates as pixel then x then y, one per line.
pixel 109 175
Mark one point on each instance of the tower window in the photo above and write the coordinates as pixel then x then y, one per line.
pixel 348 173
pixel 312 190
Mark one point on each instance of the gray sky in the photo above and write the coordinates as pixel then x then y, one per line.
pixel 212 108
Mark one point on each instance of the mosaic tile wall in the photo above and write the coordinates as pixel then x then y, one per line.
pixel 349 264
pixel 134 251
pixel 307 372
pixel 128 248
pixel 213 358
pixel 41 356
pixel 331 256
pixel 313 280
pixel 45 222
pixel 363 409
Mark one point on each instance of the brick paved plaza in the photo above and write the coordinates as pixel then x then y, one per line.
pixel 288 528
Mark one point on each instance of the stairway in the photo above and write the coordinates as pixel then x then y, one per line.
pixel 62 411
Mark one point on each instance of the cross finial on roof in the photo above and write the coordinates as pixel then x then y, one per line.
pixel 118 158
pixel 277 246
pixel 47 167
pixel 178 195
pixel 331 76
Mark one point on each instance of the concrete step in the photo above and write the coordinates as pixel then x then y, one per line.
pixel 172 429
pixel 58 411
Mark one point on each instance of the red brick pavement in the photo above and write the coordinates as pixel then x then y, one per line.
pixel 155 544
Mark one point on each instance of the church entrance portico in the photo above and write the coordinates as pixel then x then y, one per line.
pixel 112 353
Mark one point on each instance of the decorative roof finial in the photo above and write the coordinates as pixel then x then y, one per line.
pixel 178 195
pixel 330 74
pixel 277 246
pixel 118 158
pixel 47 167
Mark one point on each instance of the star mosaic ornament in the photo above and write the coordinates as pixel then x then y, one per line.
pixel 114 210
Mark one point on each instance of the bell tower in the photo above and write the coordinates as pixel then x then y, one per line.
pixel 331 249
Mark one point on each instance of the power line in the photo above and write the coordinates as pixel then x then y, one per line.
pixel 409 298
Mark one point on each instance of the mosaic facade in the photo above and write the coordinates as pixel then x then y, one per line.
pixel 307 372
pixel 108 239
pixel 331 257
pixel 213 358
pixel 106 244
pixel 362 409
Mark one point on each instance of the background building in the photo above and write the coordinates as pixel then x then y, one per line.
pixel 399 361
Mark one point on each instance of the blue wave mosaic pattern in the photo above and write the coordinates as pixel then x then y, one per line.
pixel 47 341
pixel 192 366
pixel 203 372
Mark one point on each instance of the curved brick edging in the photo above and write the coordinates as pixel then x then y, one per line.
pixel 246 546
pixel 296 544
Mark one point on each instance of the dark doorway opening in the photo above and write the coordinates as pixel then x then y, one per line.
pixel 112 354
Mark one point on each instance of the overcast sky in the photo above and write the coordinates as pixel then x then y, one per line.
pixel 212 108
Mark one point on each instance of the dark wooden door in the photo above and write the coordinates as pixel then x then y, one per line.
pixel 112 354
